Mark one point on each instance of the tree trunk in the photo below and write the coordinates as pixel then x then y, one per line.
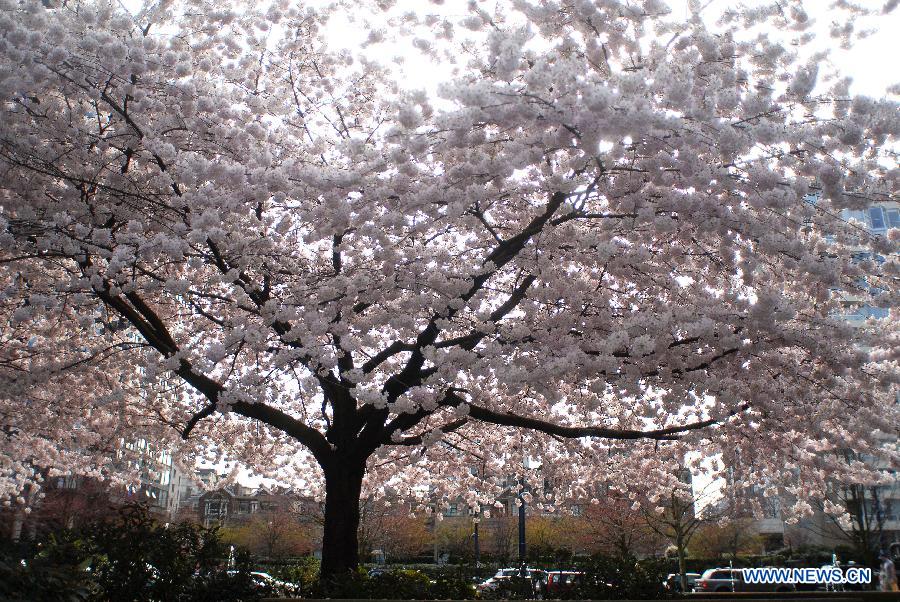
pixel 340 552
pixel 682 572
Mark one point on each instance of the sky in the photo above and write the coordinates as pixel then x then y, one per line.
pixel 871 62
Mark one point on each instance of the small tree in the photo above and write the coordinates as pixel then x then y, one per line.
pixel 274 535
pixel 726 538
pixel 679 517
pixel 853 514
pixel 612 527
pixel 502 533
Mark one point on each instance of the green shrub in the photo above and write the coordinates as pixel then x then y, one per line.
pixel 451 585
pixel 27 575
pixel 399 584
pixel 402 585
pixel 129 558
pixel 612 577
pixel 304 573
pixel 350 586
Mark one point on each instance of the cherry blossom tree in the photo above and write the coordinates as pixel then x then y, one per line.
pixel 223 231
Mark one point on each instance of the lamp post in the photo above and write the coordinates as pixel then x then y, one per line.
pixel 522 523
pixel 476 520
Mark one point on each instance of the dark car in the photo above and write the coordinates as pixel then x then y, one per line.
pixel 732 580
pixel 556 584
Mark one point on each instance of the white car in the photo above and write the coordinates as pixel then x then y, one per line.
pixel 505 574
pixel 282 587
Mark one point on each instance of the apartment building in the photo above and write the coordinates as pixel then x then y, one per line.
pixel 875 510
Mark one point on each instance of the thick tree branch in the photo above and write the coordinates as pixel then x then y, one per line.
pixel 418 439
pixel 386 353
pixel 573 432
pixel 410 376
pixel 152 328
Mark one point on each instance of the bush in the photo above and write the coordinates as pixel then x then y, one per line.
pixel 304 573
pixel 402 584
pixel 28 574
pixel 513 588
pixel 451 585
pixel 130 557
pixel 612 577
pixel 399 584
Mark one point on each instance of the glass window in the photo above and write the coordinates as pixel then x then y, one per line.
pixel 854 214
pixel 876 214
pixel 721 575
pixel 893 218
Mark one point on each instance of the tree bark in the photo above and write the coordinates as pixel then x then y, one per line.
pixel 340 552
pixel 682 568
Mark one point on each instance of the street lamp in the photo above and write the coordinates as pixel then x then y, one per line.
pixel 527 464
pixel 476 520
pixel 522 523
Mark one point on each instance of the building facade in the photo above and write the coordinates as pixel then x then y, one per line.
pixel 875 511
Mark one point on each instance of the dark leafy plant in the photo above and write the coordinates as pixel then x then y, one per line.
pixel 618 578
pixel 303 573
pixel 39 579
pixel 451 585
pixel 232 585
pixel 513 588
pixel 402 584
pixel 130 557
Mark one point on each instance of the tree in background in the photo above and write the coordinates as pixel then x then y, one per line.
pixel 726 538
pixel 502 533
pixel 729 525
pixel 853 514
pixel 274 534
pixel 386 525
pixel 613 528
pixel 548 535
pixel 223 231
pixel 405 537
pixel 64 504
pixel 454 537
pixel 678 517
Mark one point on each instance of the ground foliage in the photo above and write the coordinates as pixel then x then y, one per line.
pixel 129 557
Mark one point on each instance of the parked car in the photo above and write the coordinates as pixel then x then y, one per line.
pixel 560 583
pixel 836 587
pixel 673 581
pixel 279 587
pixel 732 580
pixel 493 583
